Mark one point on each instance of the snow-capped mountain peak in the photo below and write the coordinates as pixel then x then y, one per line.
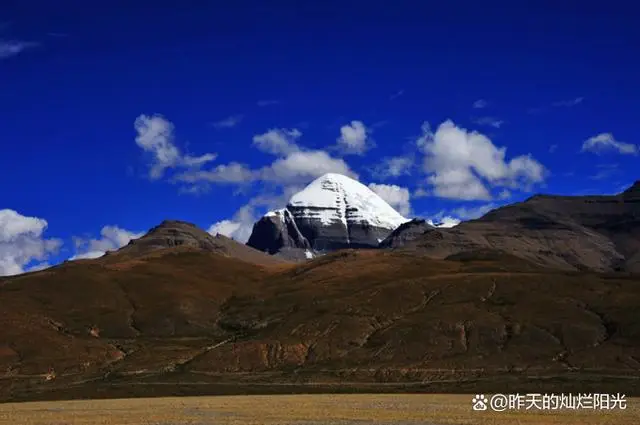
pixel 332 212
pixel 335 197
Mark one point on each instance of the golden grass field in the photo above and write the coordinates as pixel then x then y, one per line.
pixel 401 409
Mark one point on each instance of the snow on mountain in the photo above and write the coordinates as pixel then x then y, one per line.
pixel 334 197
pixel 332 212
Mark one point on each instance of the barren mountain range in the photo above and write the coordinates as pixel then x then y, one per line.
pixel 600 233
pixel 536 296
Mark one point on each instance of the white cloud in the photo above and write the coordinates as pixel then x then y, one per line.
pixel 21 242
pixel 10 48
pixel 301 167
pixel 392 167
pixel 229 122
pixel 278 141
pixel 480 103
pixel 239 227
pixel 354 138
pixel 466 165
pixel 444 222
pixel 451 218
pixel 113 237
pixel 233 172
pixel 489 121
pixel 294 166
pixel 155 136
pixel 396 196
pixel 606 142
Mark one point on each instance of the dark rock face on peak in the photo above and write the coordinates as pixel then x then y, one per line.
pixel 595 232
pixel 333 212
pixel 276 231
pixel 175 233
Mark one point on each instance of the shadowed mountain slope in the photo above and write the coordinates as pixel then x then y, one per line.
pixel 600 233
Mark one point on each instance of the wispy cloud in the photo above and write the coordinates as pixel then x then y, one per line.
pixel 392 167
pixel 558 104
pixel 605 171
pixel 568 103
pixel 228 122
pixel 58 34
pixel 9 48
pixel 263 103
pixel 553 148
pixel 480 103
pixel 396 95
pixel 488 121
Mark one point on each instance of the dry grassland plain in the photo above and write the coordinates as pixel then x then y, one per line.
pixel 402 409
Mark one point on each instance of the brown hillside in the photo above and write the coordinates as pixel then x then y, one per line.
pixel 599 233
pixel 183 322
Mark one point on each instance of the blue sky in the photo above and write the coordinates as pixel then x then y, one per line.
pixel 117 116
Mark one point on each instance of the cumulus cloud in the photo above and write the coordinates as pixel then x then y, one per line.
pixel 396 196
pixel 155 135
pixel 278 141
pixel 22 243
pixel 9 48
pixel 304 166
pixel 354 138
pixel 604 142
pixel 113 237
pixel 239 227
pixel 229 122
pixel 465 165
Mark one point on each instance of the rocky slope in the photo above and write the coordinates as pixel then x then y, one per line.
pixel 600 233
pixel 175 234
pixel 333 212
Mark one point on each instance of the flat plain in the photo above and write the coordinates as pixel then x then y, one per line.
pixel 391 409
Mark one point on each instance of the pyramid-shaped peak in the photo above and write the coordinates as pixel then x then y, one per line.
pixel 342 198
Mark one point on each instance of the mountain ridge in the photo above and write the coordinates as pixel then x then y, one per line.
pixel 597 232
